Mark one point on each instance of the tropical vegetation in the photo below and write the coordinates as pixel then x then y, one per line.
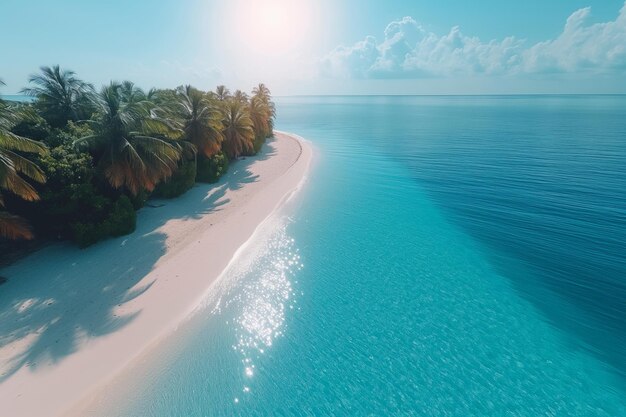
pixel 76 163
pixel 16 170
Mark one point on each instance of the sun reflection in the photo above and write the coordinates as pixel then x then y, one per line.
pixel 265 301
pixel 260 295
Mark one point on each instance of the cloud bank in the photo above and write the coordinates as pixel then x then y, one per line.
pixel 409 51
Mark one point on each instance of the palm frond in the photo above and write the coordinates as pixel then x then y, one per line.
pixel 90 142
pixel 9 140
pixel 238 128
pixel 158 148
pixel 161 126
pixel 14 227
pixel 61 96
pixel 26 167
pixel 12 182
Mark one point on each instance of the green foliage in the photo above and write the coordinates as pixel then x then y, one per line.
pixel 67 135
pixel 199 118
pixel 128 140
pixel 258 143
pixel 211 169
pixel 64 168
pixel 182 181
pixel 165 99
pixel 111 151
pixel 14 168
pixel 60 96
pixel 238 128
pixel 222 93
pixel 14 163
pixel 120 221
pixel 262 113
pixel 69 196
pixel 74 205
pixel 31 125
pixel 140 199
pixel 123 218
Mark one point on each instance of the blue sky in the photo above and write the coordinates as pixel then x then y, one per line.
pixel 324 46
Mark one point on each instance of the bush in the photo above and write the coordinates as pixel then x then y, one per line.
pixel 258 143
pixel 183 179
pixel 67 135
pixel 75 204
pixel 211 169
pixel 65 167
pixel 69 194
pixel 31 125
pixel 139 200
pixel 121 220
pixel 86 234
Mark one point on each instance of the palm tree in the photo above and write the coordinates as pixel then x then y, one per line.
pixel 199 119
pixel 61 96
pixel 263 93
pixel 130 93
pixel 260 113
pixel 238 129
pixel 11 166
pixel 222 93
pixel 125 143
pixel 152 94
pixel 240 96
pixel 261 90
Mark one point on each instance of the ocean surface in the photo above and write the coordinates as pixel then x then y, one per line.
pixel 20 98
pixel 448 256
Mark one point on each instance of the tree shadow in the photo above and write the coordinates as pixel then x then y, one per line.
pixel 203 199
pixel 60 296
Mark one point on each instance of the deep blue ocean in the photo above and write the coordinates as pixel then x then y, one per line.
pixel 448 256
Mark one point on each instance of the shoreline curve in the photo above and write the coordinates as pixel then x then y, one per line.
pixel 160 274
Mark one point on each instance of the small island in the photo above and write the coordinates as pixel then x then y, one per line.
pixel 78 163
pixel 447 236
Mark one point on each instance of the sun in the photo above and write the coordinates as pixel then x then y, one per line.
pixel 273 16
pixel 269 40
pixel 273 27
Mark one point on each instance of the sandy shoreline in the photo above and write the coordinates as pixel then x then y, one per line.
pixel 70 320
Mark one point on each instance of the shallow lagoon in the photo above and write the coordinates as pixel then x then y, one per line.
pixel 456 256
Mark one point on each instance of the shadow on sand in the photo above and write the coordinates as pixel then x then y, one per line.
pixel 61 295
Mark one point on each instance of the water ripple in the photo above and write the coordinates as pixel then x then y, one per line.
pixel 259 295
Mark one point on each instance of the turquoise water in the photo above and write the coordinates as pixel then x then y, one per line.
pixel 449 256
pixel 16 98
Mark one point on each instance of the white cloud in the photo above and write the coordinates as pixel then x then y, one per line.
pixel 409 51
pixel 354 61
pixel 581 47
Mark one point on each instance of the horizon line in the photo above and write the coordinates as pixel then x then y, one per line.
pixel 452 95
pixel 414 95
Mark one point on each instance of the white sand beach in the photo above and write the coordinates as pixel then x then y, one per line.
pixel 71 319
